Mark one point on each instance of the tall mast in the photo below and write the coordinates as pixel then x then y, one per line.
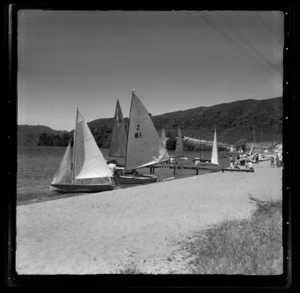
pixel 74 148
pixel 253 132
pixel 133 92
pixel 261 139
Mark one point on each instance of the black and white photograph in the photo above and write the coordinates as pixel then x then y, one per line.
pixel 150 142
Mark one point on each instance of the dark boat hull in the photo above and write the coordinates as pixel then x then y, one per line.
pixel 82 187
pixel 201 160
pixel 132 179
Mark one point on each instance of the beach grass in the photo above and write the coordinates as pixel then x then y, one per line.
pixel 247 247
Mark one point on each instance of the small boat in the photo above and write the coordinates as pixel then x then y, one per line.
pixel 164 142
pixel 144 146
pixel 214 160
pixel 118 140
pixel 263 158
pixel 214 154
pixel 179 154
pixel 83 167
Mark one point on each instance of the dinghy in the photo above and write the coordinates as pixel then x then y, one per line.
pixel 118 140
pixel 144 146
pixel 83 167
pixel 214 154
pixel 179 154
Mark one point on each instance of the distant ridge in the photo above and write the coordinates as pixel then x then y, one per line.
pixel 29 134
pixel 232 120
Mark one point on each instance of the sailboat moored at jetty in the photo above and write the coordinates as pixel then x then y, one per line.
pixel 144 146
pixel 179 154
pixel 214 153
pixel 118 138
pixel 83 167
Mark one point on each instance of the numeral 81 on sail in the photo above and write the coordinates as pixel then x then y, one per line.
pixel 138 134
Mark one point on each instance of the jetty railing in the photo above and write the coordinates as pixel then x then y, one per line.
pixel 196 168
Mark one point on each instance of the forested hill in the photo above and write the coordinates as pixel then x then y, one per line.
pixel 29 134
pixel 232 120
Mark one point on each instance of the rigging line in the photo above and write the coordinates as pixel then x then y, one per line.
pixel 247 43
pixel 272 33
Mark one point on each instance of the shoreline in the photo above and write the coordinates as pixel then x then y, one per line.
pixel 101 232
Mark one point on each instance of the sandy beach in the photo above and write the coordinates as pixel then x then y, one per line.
pixel 104 232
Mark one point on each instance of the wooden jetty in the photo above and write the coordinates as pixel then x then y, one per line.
pixel 209 168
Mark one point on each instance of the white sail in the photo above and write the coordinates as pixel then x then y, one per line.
pixel 118 138
pixel 163 137
pixel 231 149
pixel 88 159
pixel 251 150
pixel 164 143
pixel 179 145
pixel 144 146
pixel 214 155
pixel 63 174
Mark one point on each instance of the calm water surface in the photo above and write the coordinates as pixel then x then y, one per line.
pixel 37 166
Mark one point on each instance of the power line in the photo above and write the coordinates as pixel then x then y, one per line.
pixel 238 45
pixel 258 17
pixel 248 44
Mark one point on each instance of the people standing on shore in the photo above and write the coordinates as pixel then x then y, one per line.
pixel 277 161
pixel 272 162
pixel 249 165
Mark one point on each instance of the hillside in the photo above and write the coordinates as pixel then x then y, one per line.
pixel 29 134
pixel 232 120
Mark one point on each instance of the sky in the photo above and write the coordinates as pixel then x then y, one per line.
pixel 175 60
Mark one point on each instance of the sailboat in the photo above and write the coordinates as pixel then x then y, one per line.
pixel 179 154
pixel 118 138
pixel 144 146
pixel 83 167
pixel 214 154
pixel 200 159
pixel 164 142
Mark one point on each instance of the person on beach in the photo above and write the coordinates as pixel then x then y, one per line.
pixel 256 159
pixel 249 165
pixel 235 164
pixel 272 162
pixel 196 165
pixel 112 167
pixel 277 161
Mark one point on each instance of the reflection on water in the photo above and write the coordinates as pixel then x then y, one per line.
pixel 38 164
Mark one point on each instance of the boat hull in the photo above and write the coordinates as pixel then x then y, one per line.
pixel 201 160
pixel 264 159
pixel 132 179
pixel 81 187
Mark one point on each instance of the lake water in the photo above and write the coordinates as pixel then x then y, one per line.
pixel 37 166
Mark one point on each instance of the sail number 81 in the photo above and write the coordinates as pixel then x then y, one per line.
pixel 138 134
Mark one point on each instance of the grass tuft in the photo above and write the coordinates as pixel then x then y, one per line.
pixel 251 247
